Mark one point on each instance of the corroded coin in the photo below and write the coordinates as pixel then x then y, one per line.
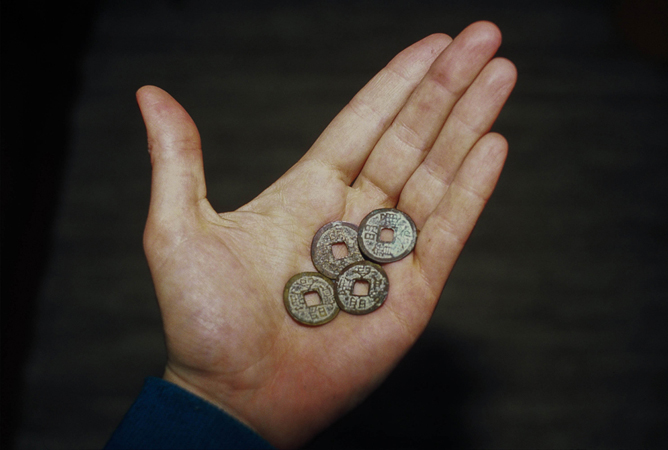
pixel 374 290
pixel 295 298
pixel 387 235
pixel 322 248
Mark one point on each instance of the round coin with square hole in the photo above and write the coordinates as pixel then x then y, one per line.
pixel 335 237
pixel 387 235
pixel 374 288
pixel 298 288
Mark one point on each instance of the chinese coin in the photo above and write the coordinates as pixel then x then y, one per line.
pixel 375 244
pixel 323 243
pixel 294 297
pixel 371 275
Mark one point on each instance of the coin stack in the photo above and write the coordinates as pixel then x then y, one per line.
pixel 353 279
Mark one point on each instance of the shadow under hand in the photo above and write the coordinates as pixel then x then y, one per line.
pixel 422 404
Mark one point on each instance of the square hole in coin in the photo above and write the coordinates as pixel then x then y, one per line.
pixel 339 250
pixel 386 235
pixel 361 288
pixel 312 298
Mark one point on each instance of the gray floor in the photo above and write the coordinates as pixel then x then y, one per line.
pixel 552 329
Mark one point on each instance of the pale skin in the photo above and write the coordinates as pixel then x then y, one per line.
pixel 417 138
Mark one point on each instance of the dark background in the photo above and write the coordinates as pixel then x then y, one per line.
pixel 552 329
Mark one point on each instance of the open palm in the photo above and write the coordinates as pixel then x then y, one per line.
pixel 415 138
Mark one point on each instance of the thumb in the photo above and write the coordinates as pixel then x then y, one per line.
pixel 177 182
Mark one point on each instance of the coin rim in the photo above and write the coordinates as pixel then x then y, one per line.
pixel 286 301
pixel 336 287
pixel 363 249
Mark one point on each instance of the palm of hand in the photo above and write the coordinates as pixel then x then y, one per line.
pixel 220 278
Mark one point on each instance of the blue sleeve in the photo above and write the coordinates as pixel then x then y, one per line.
pixel 164 416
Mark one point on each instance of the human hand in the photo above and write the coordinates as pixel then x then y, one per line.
pixel 417 138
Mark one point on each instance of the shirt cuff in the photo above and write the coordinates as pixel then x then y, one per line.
pixel 165 416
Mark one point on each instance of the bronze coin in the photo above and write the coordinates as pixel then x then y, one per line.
pixel 323 243
pixel 376 281
pixel 294 297
pixel 371 235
